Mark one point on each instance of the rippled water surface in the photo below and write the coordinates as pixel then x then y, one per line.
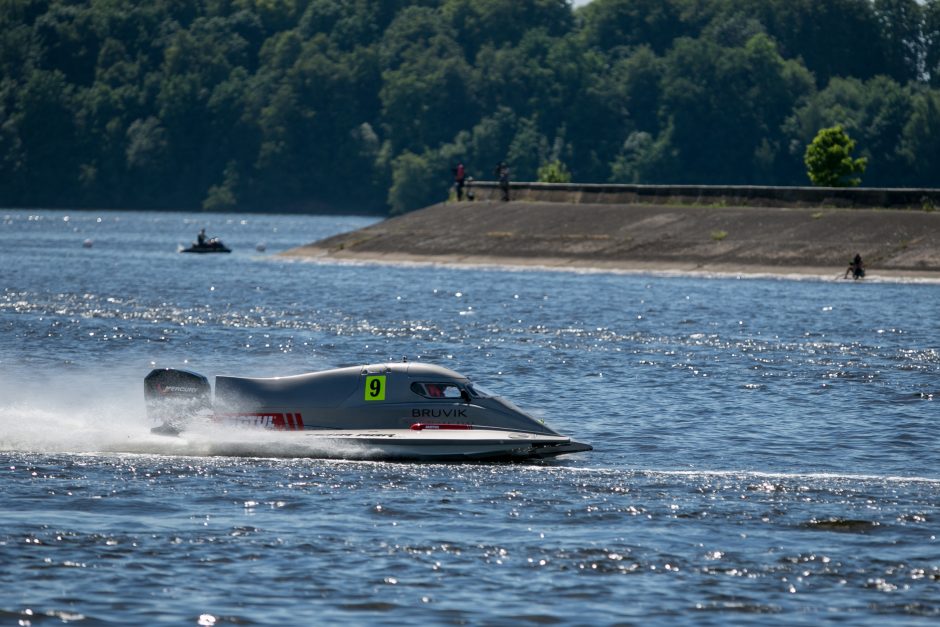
pixel 765 450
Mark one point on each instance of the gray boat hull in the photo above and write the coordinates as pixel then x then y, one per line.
pixel 406 411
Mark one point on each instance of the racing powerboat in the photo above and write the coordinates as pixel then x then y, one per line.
pixel 406 411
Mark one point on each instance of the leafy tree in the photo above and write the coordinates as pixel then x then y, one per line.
pixel 875 112
pixel 833 38
pixel 901 24
pixel 829 159
pixel 426 90
pixel 427 101
pixel 554 172
pixel 20 50
pixel 641 158
pixel 415 184
pixel 733 29
pixel 624 104
pixel 920 141
pixel 350 23
pixel 70 45
pixel 527 150
pixel 41 121
pixel 517 78
pixel 224 197
pixel 725 109
pixel 504 23
pixel 486 144
pixel 931 39
pixel 146 144
pixel 609 24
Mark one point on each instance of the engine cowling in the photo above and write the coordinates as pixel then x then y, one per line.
pixel 174 396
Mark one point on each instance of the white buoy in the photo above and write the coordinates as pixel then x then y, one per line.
pixel 261 247
pixel 88 243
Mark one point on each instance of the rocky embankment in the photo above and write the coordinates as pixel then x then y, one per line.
pixel 645 237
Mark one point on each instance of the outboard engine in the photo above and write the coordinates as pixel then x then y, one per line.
pixel 173 397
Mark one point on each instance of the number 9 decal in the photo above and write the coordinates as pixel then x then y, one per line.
pixel 375 388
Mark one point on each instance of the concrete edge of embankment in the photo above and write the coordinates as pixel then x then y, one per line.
pixel 645 238
pixel 720 195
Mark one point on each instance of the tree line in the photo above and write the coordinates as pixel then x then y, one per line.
pixel 326 105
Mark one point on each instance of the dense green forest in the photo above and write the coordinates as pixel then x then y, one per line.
pixel 325 105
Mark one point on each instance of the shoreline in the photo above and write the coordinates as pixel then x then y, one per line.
pixel 896 245
pixel 313 254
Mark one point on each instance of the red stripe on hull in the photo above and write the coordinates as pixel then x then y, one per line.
pixel 269 420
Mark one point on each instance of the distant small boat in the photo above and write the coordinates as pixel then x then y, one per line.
pixel 213 245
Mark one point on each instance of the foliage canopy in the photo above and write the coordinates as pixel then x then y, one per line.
pixel 554 172
pixel 358 105
pixel 829 159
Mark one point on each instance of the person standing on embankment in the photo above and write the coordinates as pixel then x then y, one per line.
pixel 502 172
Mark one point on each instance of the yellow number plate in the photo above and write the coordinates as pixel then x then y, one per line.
pixel 375 388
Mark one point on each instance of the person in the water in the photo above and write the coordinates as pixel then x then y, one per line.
pixel 856 267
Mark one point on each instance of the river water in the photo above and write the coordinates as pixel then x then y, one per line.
pixel 765 450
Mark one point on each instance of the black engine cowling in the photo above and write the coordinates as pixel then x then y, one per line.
pixel 174 396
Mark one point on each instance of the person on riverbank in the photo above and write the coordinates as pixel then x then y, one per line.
pixel 502 173
pixel 856 267
pixel 460 175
